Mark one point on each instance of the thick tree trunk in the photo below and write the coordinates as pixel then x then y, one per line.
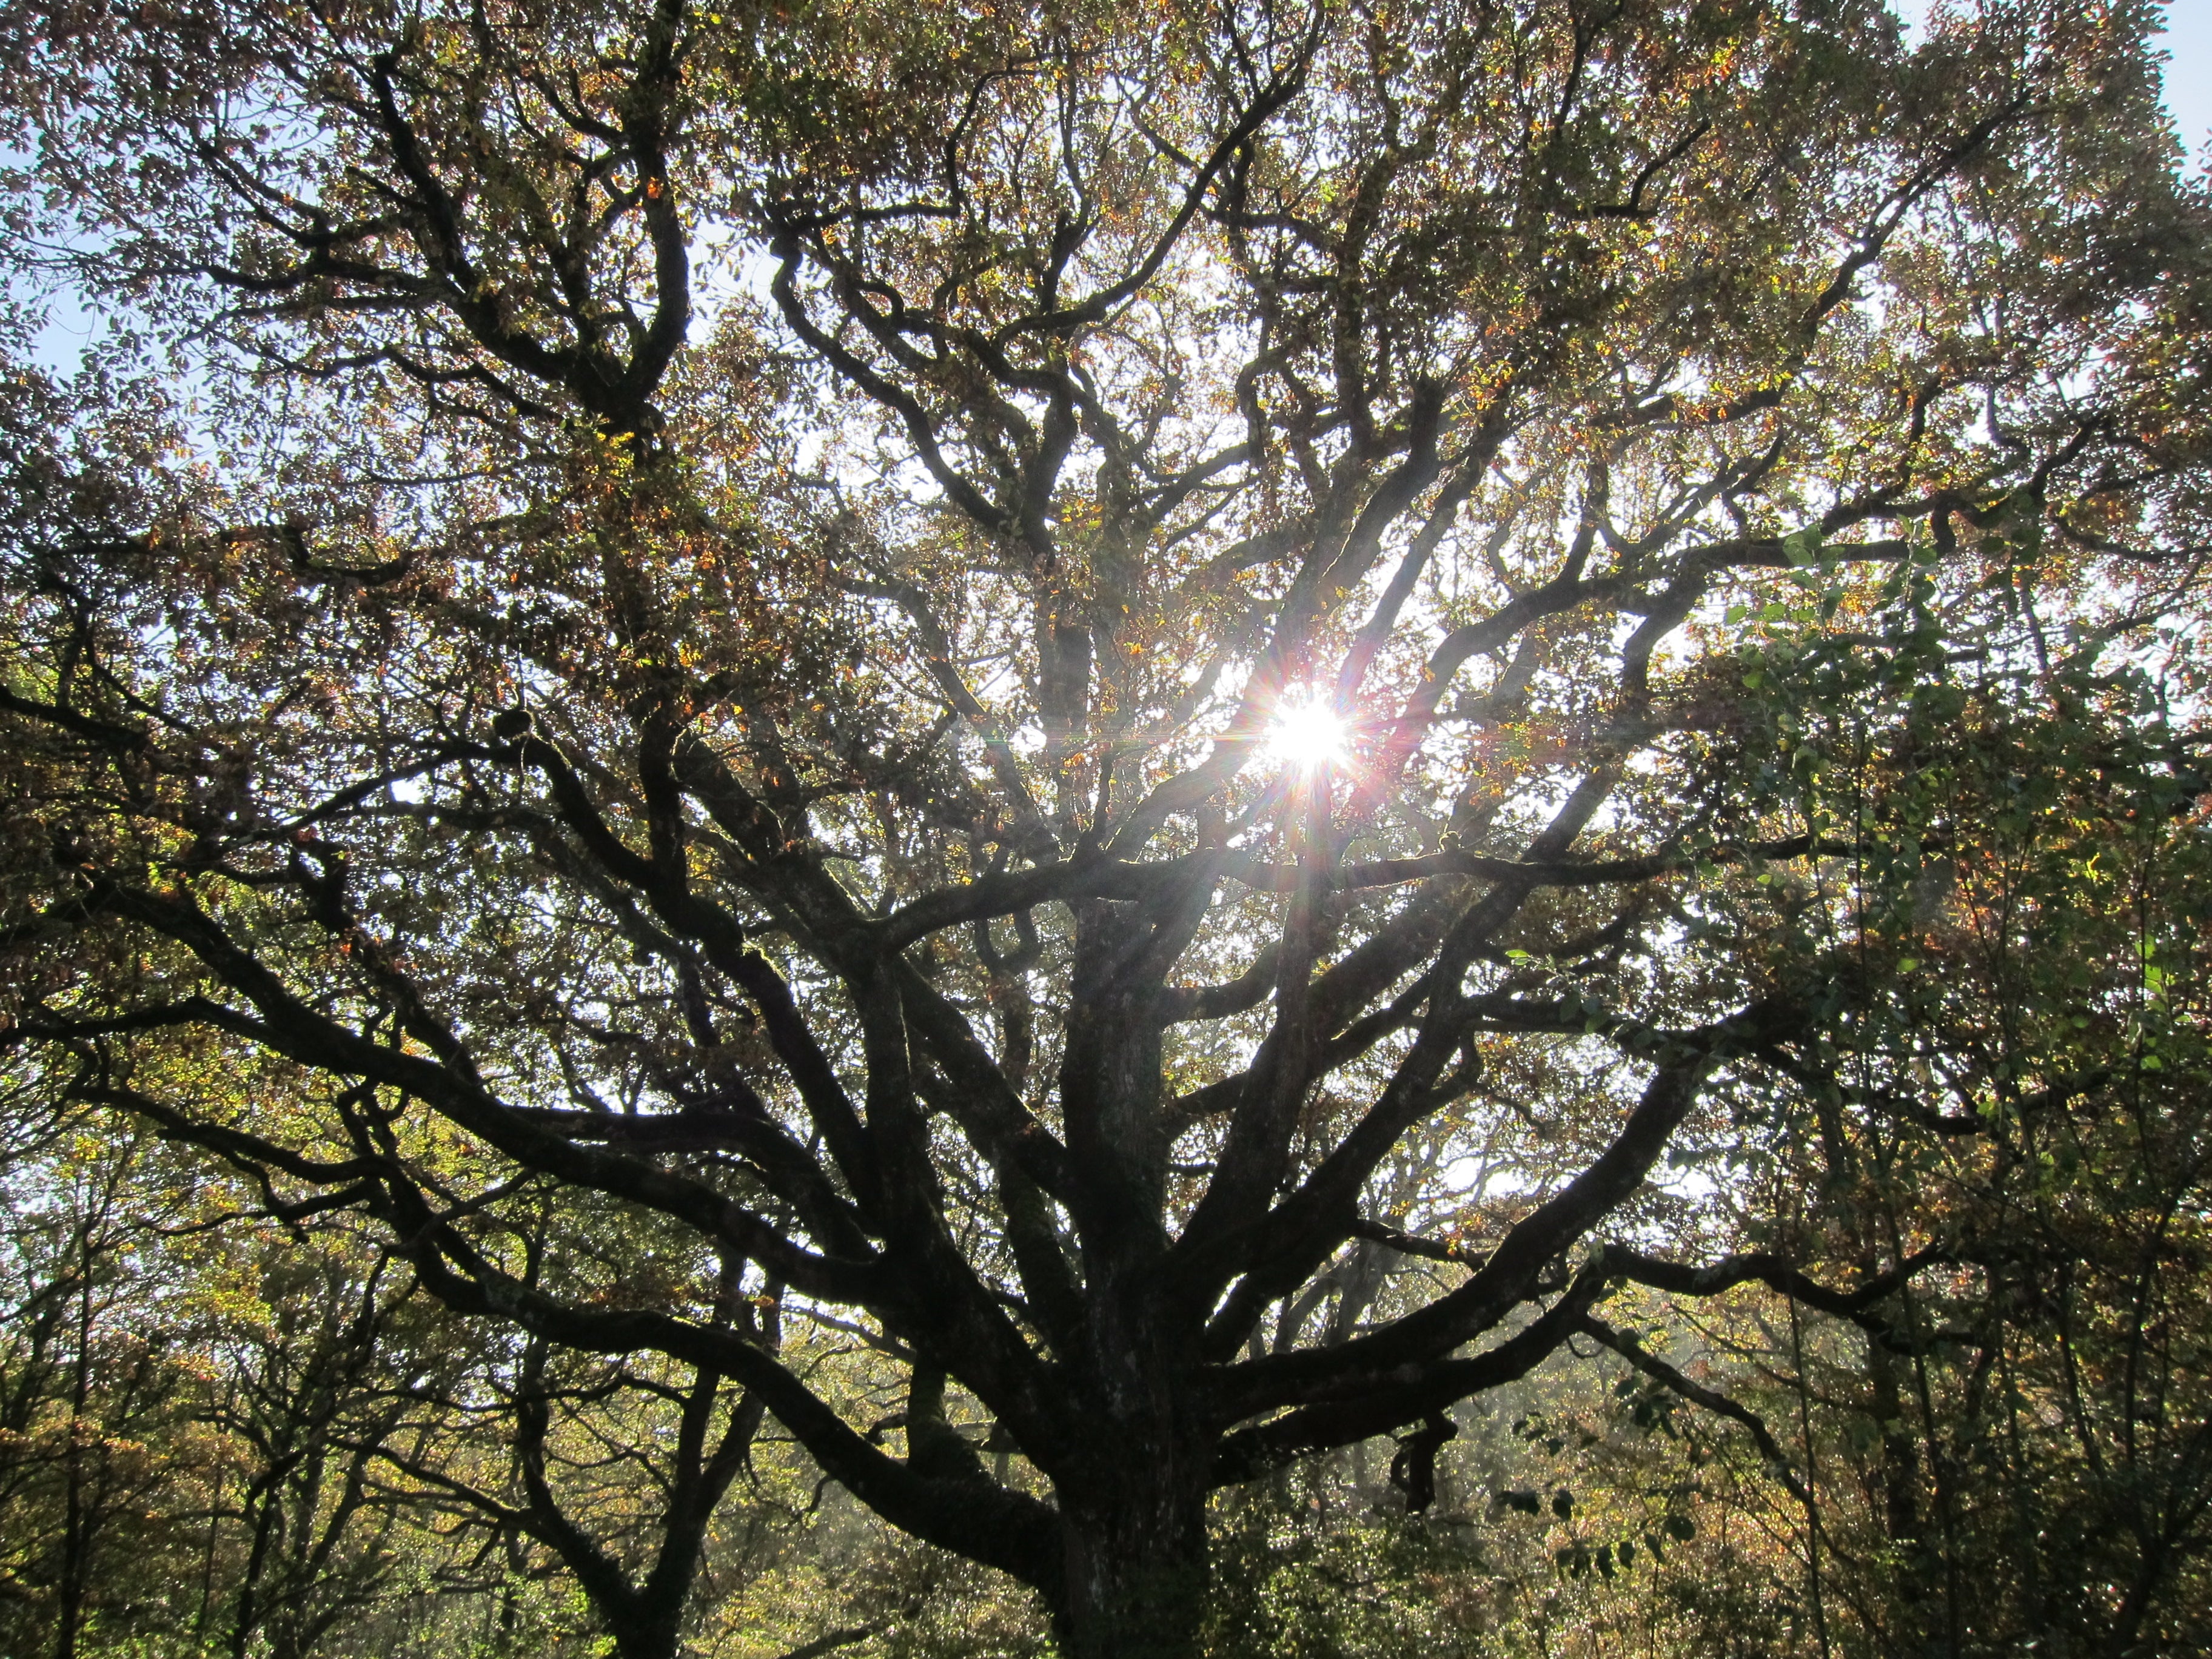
pixel 1133 1504
pixel 1132 1507
pixel 1136 1558
pixel 645 1632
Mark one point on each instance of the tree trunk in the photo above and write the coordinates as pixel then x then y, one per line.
pixel 1133 1508
pixel 1133 1504
pixel 1136 1558
pixel 642 1632
pixel 76 1545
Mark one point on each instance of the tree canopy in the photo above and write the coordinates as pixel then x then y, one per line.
pixel 1196 717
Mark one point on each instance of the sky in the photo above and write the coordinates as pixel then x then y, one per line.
pixel 2189 74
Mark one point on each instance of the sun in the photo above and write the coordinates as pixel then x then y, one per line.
pixel 1307 735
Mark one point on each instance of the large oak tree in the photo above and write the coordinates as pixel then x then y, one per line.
pixel 1006 674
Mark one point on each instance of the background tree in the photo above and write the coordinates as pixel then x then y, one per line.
pixel 95 1448
pixel 614 1467
pixel 1027 672
pixel 2013 1446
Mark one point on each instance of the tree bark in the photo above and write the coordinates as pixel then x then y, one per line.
pixel 1133 1498
pixel 1136 1552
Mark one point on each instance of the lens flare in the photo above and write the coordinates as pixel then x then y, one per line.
pixel 1307 735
